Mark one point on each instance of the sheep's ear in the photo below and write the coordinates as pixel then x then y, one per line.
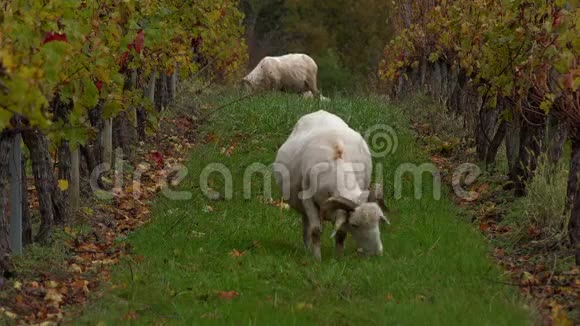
pixel 384 219
pixel 341 219
pixel 377 195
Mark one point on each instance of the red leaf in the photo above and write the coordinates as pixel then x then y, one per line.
pixel 158 158
pixel 557 20
pixel 483 227
pixel 567 80
pixel 123 60
pixel 99 85
pixel 139 41
pixel 211 138
pixel 54 37
pixel 228 295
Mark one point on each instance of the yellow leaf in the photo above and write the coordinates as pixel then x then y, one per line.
pixel 7 313
pixel 54 297
pixel 51 284
pixel 559 316
pixel 304 306
pixel 75 268
pixel 63 184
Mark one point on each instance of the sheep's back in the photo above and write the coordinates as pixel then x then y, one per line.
pixel 315 139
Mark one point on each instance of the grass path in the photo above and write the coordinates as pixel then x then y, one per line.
pixel 435 270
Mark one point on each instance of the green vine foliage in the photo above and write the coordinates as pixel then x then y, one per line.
pixel 508 47
pixel 78 50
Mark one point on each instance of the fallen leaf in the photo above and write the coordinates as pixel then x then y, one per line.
pixel 559 316
pixel 210 315
pixel 389 297
pixel 81 285
pixel 9 314
pixel 471 196
pixel 89 247
pixel 420 297
pixel 131 315
pixel 53 297
pixel 304 306
pixel 75 268
pixel 236 253
pixel 211 138
pixel 483 227
pixel 127 205
pixel 213 195
pixel 57 316
pixel 51 284
pixel 17 285
pixel 158 159
pixel 48 323
pixel 529 279
pixel 533 231
pixel 197 234
pixel 228 295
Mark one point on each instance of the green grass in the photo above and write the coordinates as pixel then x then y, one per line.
pixel 435 270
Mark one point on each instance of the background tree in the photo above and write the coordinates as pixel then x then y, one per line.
pixel 345 38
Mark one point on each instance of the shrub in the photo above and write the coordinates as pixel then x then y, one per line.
pixel 333 77
pixel 540 214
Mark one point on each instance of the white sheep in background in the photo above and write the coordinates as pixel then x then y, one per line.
pixel 293 72
pixel 324 170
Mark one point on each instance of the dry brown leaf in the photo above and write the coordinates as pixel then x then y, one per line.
pixel 131 315
pixel 53 297
pixel 75 268
pixel 236 253
pixel 81 285
pixel 51 284
pixel 228 295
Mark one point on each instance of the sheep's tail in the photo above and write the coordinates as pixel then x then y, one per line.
pixel 338 150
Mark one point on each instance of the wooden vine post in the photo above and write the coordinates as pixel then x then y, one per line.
pixel 107 141
pixel 16 196
pixel 174 80
pixel 75 190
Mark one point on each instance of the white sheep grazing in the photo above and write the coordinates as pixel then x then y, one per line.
pixel 324 171
pixel 293 72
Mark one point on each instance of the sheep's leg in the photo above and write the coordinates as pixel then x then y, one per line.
pixel 312 86
pixel 306 232
pixel 339 242
pixel 314 227
pixel 340 235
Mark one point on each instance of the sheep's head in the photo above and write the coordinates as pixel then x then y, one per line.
pixel 361 221
pixel 247 85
